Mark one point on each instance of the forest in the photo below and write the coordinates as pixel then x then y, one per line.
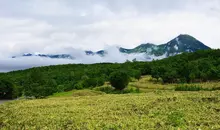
pixel 200 66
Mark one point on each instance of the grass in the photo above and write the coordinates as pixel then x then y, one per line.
pixel 147 84
pixel 86 93
pixel 110 90
pixel 165 110
pixel 183 87
pixel 63 94
pixel 159 107
pixel 77 93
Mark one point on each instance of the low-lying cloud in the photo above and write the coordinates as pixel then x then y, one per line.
pixel 113 56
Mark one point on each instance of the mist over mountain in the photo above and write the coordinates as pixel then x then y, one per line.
pixel 180 44
pixel 113 54
pixel 143 52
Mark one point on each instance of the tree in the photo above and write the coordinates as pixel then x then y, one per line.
pixel 34 85
pixel 158 71
pixel 170 76
pixel 6 89
pixel 155 73
pixel 136 74
pixel 119 80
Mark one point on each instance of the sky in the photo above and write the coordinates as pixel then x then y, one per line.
pixel 55 26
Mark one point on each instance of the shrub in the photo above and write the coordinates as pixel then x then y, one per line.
pixel 188 88
pixel 17 91
pixel 131 90
pixel 100 81
pixel 90 82
pixel 136 74
pixel 215 88
pixel 60 88
pixel 106 89
pixel 6 89
pixel 119 80
pixel 78 86
pixel 87 93
pixel 111 90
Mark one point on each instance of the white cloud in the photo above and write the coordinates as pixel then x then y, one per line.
pixel 113 55
pixel 51 26
pixel 49 7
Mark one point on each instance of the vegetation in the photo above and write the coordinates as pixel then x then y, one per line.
pixel 153 110
pixel 119 80
pixel 201 66
pixel 132 95
pixel 188 88
pixel 87 93
pixel 6 89
pixel 103 107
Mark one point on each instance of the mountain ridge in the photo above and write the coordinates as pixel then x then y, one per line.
pixel 180 44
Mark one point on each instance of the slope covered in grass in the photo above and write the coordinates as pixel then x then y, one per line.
pixel 154 110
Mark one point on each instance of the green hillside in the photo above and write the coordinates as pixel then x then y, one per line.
pixel 156 106
pixel 201 66
pixel 155 110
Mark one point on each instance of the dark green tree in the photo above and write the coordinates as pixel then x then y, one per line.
pixel 34 85
pixel 6 89
pixel 136 74
pixel 119 80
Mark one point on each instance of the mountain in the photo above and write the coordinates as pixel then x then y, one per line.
pixel 52 56
pixel 178 45
pixel 100 53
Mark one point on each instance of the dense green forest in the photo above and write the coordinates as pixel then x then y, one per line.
pixel 200 66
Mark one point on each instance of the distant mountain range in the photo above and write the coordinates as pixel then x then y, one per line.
pixel 178 45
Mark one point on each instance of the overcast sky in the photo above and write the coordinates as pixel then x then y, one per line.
pixel 49 25
pixel 54 26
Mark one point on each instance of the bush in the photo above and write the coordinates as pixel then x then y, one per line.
pixel 92 82
pixel 106 89
pixel 136 74
pixel 131 90
pixel 100 81
pixel 6 89
pixel 17 92
pixel 119 80
pixel 78 86
pixel 188 88
pixel 60 88
pixel 111 90
pixel 87 93
pixel 216 88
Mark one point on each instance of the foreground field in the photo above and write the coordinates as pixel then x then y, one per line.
pixel 153 110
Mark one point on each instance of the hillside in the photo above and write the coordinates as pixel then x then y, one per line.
pixel 155 110
pixel 200 66
pixel 147 102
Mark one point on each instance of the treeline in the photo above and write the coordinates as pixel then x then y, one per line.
pixel 43 81
pixel 39 82
pixel 200 66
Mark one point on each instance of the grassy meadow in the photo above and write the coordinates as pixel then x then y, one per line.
pixel 157 106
